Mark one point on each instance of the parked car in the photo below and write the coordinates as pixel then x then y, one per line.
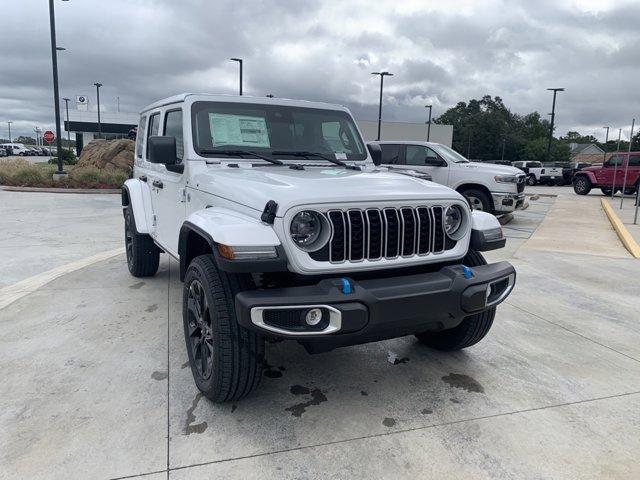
pixel 553 173
pixel 488 187
pixel 285 228
pixel 3 152
pixel 533 170
pixel 16 148
pixel 611 175
pixel 569 170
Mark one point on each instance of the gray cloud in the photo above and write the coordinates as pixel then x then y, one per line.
pixel 439 53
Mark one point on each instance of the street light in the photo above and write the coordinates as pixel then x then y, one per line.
pixel 429 123
pixel 615 166
pixel 553 117
pixel 98 85
pixel 382 75
pixel 66 105
pixel 606 139
pixel 9 123
pixel 239 60
pixel 56 93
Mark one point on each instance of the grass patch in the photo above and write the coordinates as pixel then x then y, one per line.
pixel 20 173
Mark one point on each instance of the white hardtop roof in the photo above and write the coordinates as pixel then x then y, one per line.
pixel 406 142
pixel 210 97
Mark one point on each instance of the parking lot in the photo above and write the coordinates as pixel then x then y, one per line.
pixel 96 382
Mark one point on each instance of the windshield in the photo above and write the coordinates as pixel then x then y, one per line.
pixel 450 154
pixel 219 126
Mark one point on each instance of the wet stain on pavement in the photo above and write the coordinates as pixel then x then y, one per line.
pixel 317 397
pixel 464 382
pixel 151 308
pixel 271 372
pixel 389 422
pixel 363 393
pixel 454 400
pixel 136 286
pixel 159 375
pixel 426 411
pixel 190 427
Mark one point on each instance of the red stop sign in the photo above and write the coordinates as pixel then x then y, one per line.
pixel 48 136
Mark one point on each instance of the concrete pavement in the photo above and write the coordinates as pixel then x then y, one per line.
pixel 95 385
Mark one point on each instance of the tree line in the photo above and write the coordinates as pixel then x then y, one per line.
pixel 482 128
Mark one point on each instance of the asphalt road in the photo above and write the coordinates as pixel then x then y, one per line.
pixel 95 384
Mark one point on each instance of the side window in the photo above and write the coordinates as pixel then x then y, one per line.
pixel 419 155
pixel 391 154
pixel 154 127
pixel 173 128
pixel 614 161
pixel 634 161
pixel 140 138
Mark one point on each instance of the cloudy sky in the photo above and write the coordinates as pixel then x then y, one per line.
pixel 440 53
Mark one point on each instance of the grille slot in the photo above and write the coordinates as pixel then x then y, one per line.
pixel 373 234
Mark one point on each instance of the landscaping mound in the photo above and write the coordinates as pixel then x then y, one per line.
pixel 107 155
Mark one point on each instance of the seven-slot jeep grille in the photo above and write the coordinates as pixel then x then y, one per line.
pixel 376 233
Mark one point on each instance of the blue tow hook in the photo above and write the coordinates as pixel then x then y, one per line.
pixel 346 286
pixel 467 272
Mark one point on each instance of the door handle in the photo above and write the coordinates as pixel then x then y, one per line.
pixel 158 184
pixel 143 178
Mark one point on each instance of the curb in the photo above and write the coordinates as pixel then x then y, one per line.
pixel 625 237
pixel 61 190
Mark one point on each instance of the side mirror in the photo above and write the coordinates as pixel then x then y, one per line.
pixel 376 153
pixel 162 150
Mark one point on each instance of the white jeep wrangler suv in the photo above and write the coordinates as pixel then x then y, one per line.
pixel 285 228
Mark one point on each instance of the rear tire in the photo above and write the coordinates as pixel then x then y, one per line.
pixel 478 200
pixel 471 330
pixel 143 256
pixel 607 191
pixel 226 359
pixel 581 185
pixel 531 180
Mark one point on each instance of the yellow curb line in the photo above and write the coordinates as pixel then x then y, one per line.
pixel 625 237
pixel 11 293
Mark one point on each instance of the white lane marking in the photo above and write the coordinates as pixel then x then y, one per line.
pixel 11 293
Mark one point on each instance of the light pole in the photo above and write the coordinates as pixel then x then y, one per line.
pixel 504 141
pixel 9 123
pixel 429 122
pixel 615 166
pixel 553 117
pixel 606 139
pixel 239 60
pixel 66 106
pixel 56 93
pixel 624 180
pixel 382 75
pixel 469 146
pixel 98 85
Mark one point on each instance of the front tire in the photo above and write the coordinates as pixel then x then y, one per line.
pixel 143 256
pixel 226 359
pixel 471 330
pixel 478 200
pixel 581 185
pixel 531 180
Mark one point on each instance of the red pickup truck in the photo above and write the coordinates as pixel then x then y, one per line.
pixel 612 170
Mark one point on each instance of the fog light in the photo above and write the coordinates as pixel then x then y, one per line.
pixel 313 316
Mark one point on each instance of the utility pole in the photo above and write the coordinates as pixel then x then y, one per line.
pixel 615 167
pixel 98 85
pixel 624 181
pixel 240 62
pixel 553 117
pixel 56 91
pixel 9 123
pixel 606 139
pixel 382 75
pixel 429 123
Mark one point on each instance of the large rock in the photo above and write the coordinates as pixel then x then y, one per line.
pixel 109 155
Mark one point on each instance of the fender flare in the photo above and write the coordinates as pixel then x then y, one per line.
pixel 216 225
pixel 133 193
pixel 590 175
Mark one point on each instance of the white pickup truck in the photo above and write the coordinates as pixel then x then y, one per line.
pixel 285 228
pixel 496 189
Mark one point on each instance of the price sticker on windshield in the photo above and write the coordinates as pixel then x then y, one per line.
pixel 341 156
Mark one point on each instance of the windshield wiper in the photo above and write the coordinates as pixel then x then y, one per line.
pixel 240 153
pixel 304 153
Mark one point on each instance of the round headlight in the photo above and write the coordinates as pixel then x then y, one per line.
pixel 452 219
pixel 306 228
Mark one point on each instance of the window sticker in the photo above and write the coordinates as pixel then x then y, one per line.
pixel 341 156
pixel 227 129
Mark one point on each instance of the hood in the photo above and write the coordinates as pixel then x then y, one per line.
pixel 254 187
pixel 491 168
pixel 590 169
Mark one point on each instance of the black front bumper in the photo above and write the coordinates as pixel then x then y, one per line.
pixel 379 309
